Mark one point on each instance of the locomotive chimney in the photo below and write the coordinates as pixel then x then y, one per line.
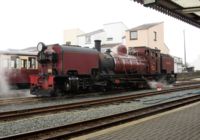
pixel 98 45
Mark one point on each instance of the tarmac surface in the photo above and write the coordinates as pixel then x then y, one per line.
pixel 179 124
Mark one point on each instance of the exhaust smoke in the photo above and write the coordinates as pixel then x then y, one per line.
pixel 4 86
pixel 159 85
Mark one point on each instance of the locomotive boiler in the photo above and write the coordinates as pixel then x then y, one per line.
pixel 66 69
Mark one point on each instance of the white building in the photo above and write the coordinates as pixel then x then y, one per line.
pixel 110 35
pixel 178 65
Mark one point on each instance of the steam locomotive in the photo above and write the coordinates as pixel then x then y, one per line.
pixel 69 69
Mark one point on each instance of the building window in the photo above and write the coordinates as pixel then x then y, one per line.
pixel 133 35
pixel 155 36
pixel 109 39
pixel 88 39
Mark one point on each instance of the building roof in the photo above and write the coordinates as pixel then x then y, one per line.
pixel 30 49
pixel 120 22
pixel 185 10
pixel 144 26
pixel 93 32
pixel 25 53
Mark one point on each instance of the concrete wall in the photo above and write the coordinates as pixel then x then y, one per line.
pixel 159 42
pixel 71 36
pixel 142 39
pixel 115 31
pixel 98 36
pixel 146 38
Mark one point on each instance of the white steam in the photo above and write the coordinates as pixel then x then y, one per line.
pixel 4 86
pixel 159 85
pixel 6 91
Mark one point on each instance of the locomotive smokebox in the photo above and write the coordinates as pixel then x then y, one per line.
pixel 98 45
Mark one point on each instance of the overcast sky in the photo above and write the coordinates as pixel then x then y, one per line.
pixel 24 23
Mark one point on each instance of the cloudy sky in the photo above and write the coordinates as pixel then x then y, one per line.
pixel 24 23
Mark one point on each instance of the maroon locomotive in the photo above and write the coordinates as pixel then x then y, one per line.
pixel 69 69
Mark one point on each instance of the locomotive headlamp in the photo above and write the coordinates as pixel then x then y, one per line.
pixel 41 46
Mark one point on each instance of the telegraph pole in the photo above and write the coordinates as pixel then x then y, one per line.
pixel 184 49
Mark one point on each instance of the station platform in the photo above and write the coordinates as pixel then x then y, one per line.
pixel 179 124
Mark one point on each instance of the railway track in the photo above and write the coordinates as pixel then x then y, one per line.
pixel 80 128
pixel 7 101
pixel 13 115
pixel 186 83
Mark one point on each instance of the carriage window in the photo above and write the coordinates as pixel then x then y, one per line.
pixel 24 63
pixel 18 63
pixel 12 64
pixel 32 62
pixel 28 65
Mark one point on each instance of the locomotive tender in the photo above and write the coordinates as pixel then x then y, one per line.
pixel 68 69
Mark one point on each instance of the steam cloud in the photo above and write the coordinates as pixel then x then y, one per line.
pixel 159 84
pixel 4 87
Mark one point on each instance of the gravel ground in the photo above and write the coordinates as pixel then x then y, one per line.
pixel 40 122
